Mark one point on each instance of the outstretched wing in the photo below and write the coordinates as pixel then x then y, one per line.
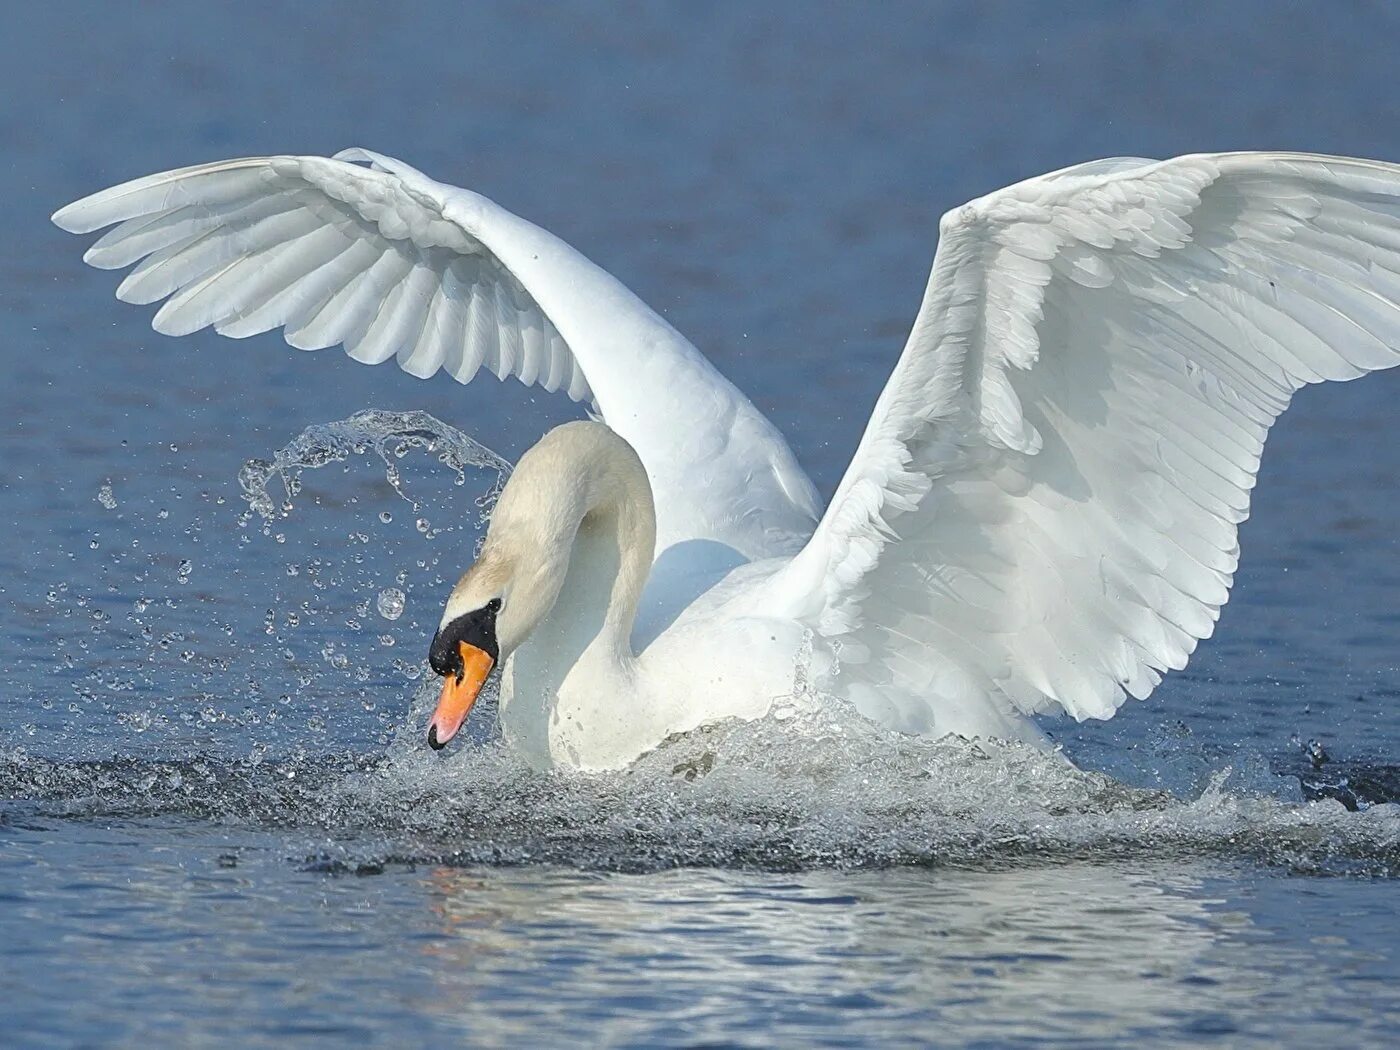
pixel 391 264
pixel 1042 512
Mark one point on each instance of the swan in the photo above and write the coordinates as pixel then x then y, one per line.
pixel 1040 516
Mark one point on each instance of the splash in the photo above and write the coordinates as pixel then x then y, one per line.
pixel 818 785
pixel 818 788
pixel 389 435
pixel 300 618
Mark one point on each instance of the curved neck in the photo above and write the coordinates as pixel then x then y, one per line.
pixel 579 513
pixel 613 544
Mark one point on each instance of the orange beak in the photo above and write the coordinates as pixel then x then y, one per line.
pixel 459 693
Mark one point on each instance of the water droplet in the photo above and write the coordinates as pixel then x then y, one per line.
pixel 182 574
pixel 385 517
pixel 1317 754
pixel 106 498
pixel 386 640
pixel 390 603
pixel 422 525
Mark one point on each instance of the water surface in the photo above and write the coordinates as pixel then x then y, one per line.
pixel 218 823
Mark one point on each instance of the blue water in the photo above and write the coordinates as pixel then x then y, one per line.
pixel 217 822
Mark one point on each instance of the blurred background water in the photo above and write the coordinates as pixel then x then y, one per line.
pixel 217 822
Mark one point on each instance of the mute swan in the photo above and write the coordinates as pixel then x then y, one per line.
pixel 1042 511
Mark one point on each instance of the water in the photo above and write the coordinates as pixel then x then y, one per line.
pixel 218 823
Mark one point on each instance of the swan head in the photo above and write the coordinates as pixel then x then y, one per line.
pixel 489 614
pixel 463 653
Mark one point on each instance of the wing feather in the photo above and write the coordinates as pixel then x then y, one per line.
pixel 245 283
pixel 393 265
pixel 425 356
pixel 349 321
pixel 261 222
pixel 345 301
pixel 482 336
pixel 401 314
pixel 1043 511
pixel 508 356
pixel 311 278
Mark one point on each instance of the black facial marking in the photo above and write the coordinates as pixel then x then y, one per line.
pixel 477 628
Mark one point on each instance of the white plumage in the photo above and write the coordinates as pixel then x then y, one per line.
pixel 1068 443
pixel 1042 511
pixel 393 265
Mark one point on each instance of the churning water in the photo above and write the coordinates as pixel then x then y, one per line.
pixel 218 819
pixel 812 784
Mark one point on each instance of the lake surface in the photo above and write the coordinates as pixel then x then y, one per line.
pixel 218 823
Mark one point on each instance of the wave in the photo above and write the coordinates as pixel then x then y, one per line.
pixel 818 788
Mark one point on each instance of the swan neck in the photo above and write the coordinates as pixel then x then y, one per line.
pixel 621 505
pixel 582 505
pixel 630 525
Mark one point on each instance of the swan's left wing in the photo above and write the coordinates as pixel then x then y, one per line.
pixel 1042 512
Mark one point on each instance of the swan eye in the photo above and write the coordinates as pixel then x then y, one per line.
pixel 494 605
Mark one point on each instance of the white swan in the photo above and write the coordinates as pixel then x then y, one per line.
pixel 1041 514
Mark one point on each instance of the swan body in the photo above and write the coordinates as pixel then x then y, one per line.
pixel 569 554
pixel 1041 515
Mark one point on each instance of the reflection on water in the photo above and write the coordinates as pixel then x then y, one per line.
pixel 1168 952
pixel 1071 951
pixel 1026 954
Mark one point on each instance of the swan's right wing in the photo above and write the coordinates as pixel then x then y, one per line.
pixel 331 252
pixel 1042 512
pixel 396 266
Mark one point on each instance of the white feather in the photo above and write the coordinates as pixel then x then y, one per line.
pixel 394 265
pixel 1085 397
